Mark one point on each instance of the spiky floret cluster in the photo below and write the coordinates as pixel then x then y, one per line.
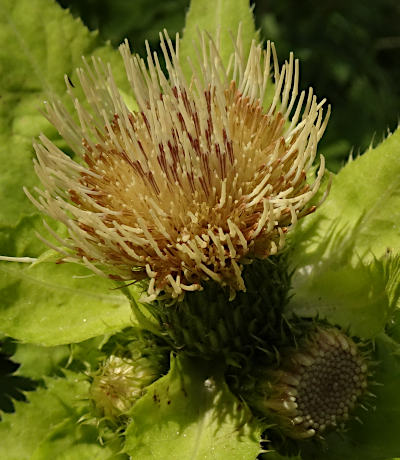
pixel 118 385
pixel 319 384
pixel 136 361
pixel 200 180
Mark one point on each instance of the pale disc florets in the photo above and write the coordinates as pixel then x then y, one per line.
pixel 322 383
pixel 120 383
pixel 196 182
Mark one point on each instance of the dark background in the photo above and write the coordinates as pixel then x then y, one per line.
pixel 349 52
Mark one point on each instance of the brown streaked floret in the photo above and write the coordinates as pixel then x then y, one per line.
pixel 201 179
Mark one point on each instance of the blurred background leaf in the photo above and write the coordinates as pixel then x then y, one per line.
pixel 349 52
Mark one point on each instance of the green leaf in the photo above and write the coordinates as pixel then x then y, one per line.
pixel 219 17
pixel 344 270
pixel 37 362
pixel 22 432
pixel 190 414
pixel 72 441
pixel 358 298
pixel 13 387
pixel 364 203
pixel 377 437
pixel 393 328
pixel 46 305
pixel 43 42
pixel 47 426
pixel 21 240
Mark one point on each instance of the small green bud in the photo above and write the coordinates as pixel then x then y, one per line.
pixel 123 377
pixel 119 384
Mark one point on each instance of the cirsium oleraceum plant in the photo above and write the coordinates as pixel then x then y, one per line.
pixel 195 184
pixel 188 196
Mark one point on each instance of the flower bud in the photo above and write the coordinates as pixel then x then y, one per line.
pixel 317 385
pixel 123 377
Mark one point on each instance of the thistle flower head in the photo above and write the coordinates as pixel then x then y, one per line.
pixel 320 386
pixel 196 182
